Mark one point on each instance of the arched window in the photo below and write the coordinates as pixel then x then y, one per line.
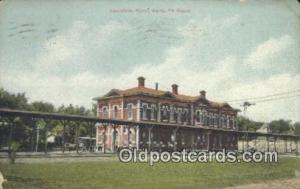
pixel 228 121
pixel 144 112
pixel 129 111
pixel 115 114
pixel 152 113
pixel 234 123
pixel 216 120
pixel 165 114
pixel 205 118
pixel 231 122
pixel 224 125
pixel 172 113
pixel 198 116
pixel 202 117
pixel 184 115
pixel 211 119
pixel 179 116
pixel 176 115
pixel 105 112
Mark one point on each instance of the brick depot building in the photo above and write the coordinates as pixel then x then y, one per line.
pixel 175 118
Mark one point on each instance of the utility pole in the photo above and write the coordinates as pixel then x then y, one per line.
pixel 37 138
pixel 245 106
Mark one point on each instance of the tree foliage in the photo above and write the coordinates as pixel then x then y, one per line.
pixel 246 124
pixel 25 131
pixel 280 126
pixel 296 128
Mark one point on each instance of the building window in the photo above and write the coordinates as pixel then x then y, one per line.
pixel 171 113
pixel 216 120
pixel 115 114
pixel 211 119
pixel 184 116
pixel 105 112
pixel 152 113
pixel 231 123
pixel 205 120
pixel 224 121
pixel 221 120
pixel 201 117
pixel 144 112
pixel 198 116
pixel 179 116
pixel 175 116
pixel 165 114
pixel 228 121
pixel 234 123
pixel 129 111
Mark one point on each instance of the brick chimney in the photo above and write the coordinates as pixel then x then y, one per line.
pixel 141 81
pixel 203 94
pixel 175 89
pixel 156 86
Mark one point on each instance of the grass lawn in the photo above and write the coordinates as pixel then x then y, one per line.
pixel 114 175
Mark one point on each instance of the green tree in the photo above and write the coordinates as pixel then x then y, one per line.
pixel 296 128
pixel 24 132
pixel 246 124
pixel 43 107
pixel 13 101
pixel 280 126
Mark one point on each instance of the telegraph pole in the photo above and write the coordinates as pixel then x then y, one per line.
pixel 245 106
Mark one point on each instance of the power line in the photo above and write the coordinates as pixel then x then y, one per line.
pixel 279 98
pixel 267 96
pixel 270 99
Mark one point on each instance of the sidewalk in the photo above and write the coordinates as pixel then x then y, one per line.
pixel 293 183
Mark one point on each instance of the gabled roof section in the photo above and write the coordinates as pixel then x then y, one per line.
pixel 111 93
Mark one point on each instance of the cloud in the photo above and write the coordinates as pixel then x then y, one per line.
pixel 267 52
pixel 191 65
pixel 74 46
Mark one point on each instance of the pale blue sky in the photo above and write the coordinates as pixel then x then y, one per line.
pixel 71 51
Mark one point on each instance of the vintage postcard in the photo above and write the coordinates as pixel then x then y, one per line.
pixel 129 94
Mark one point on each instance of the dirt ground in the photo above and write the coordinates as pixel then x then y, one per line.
pixel 293 183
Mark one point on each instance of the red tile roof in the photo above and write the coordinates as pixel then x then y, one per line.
pixel 159 93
